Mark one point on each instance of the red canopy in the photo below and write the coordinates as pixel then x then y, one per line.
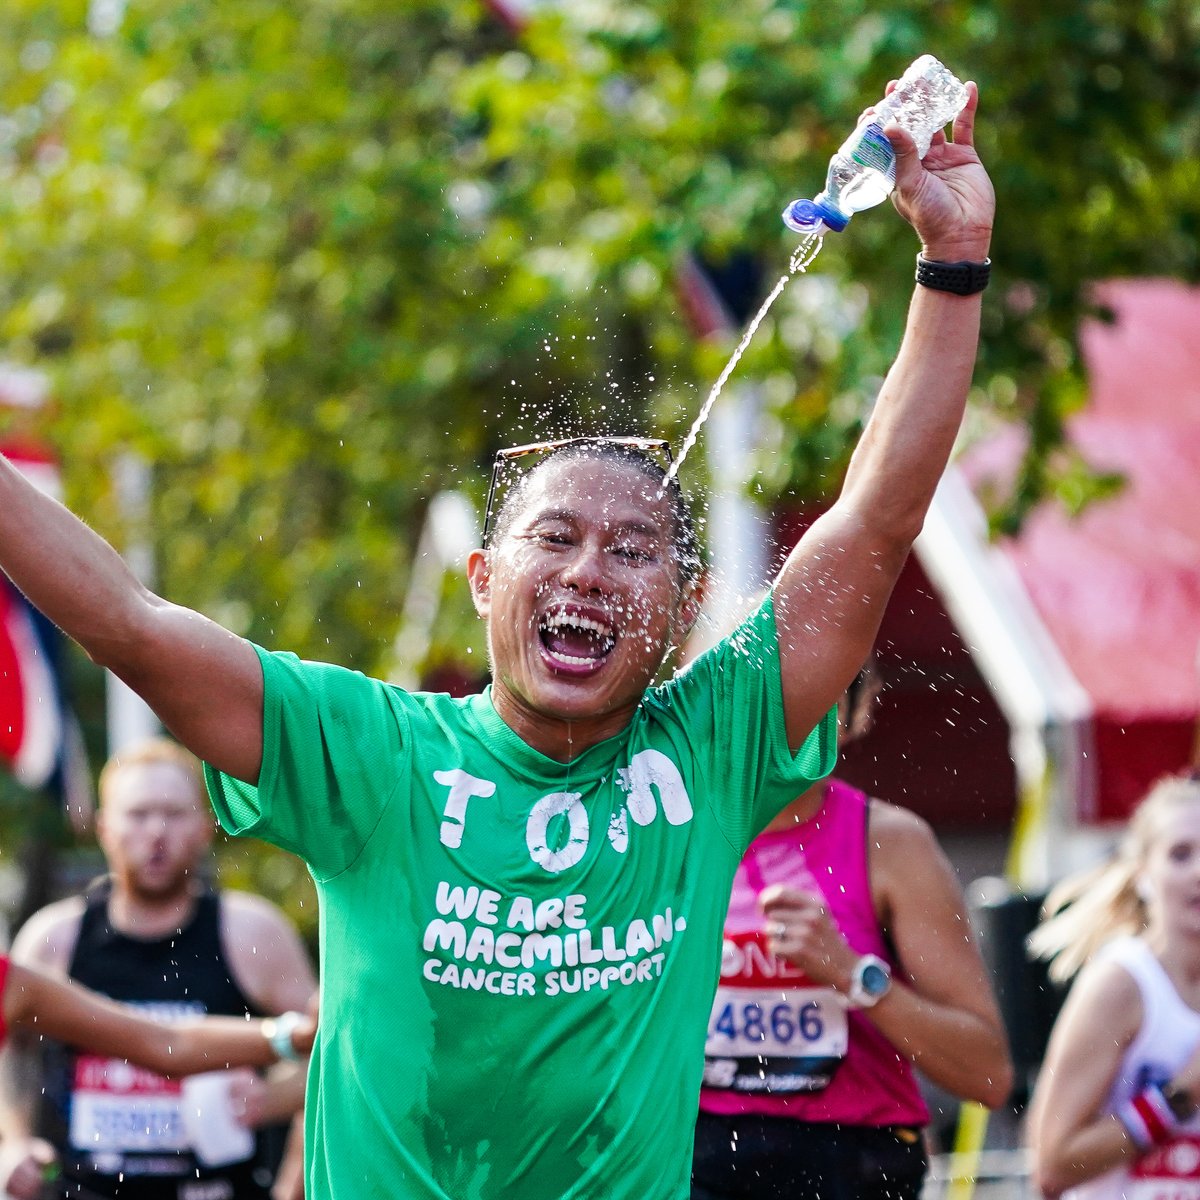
pixel 1118 588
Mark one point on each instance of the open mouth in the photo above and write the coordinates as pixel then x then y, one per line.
pixel 574 643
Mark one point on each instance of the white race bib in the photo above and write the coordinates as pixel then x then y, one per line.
pixel 119 1108
pixel 771 1029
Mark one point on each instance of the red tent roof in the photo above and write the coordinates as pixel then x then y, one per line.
pixel 1119 587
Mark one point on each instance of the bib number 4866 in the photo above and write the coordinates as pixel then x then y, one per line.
pixel 780 1023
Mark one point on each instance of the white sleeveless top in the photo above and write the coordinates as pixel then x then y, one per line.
pixel 1169 1035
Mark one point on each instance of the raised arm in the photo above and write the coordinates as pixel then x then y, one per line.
pixel 204 683
pixel 832 591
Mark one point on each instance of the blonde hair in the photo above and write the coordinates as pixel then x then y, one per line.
pixel 1091 908
pixel 153 750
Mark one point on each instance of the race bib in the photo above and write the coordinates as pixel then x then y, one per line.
pixel 771 1029
pixel 119 1108
pixel 1171 1172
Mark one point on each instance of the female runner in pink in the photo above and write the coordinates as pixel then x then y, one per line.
pixel 848 960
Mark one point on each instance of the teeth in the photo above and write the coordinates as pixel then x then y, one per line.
pixel 574 661
pixel 560 620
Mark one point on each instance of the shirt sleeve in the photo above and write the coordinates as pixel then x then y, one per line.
pixel 731 698
pixel 335 751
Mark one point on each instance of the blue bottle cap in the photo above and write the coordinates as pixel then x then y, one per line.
pixel 813 216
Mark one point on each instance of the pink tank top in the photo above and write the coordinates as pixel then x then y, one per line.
pixel 779 1044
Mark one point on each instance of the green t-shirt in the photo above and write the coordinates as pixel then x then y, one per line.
pixel 518 956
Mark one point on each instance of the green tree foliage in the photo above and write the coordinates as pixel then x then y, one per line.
pixel 315 261
pixel 668 126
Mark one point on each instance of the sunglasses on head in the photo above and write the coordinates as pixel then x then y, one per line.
pixel 504 457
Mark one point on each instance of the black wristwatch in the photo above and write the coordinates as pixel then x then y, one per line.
pixel 958 278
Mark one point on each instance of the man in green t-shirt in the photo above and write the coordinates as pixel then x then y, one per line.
pixel 522 892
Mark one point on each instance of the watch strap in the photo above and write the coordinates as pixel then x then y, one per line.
pixel 278 1031
pixel 958 278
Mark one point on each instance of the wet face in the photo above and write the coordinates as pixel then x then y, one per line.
pixel 582 596
pixel 153 830
pixel 1170 879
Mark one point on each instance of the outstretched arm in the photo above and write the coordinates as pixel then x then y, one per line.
pixel 66 1012
pixel 832 591
pixel 204 683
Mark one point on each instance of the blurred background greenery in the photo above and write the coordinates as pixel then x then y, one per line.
pixel 315 262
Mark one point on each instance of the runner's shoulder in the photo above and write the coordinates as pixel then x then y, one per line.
pixel 48 938
pixel 1106 997
pixel 896 830
pixel 908 866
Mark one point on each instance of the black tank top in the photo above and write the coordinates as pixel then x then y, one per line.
pixel 117 1128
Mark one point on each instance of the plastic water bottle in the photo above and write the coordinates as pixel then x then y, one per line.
pixel 863 172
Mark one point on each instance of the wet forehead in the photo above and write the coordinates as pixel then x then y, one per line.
pixel 597 492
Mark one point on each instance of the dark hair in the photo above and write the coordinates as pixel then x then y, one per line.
pixel 684 539
pixel 861 698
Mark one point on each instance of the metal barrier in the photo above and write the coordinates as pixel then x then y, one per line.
pixel 988 1175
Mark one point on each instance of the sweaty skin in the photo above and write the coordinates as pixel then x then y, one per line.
pixel 587 566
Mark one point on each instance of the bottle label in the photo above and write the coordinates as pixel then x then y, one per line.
pixel 873 151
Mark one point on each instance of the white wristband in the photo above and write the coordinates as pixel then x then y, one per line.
pixel 278 1031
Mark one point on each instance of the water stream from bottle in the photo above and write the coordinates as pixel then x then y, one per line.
pixel 800 261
